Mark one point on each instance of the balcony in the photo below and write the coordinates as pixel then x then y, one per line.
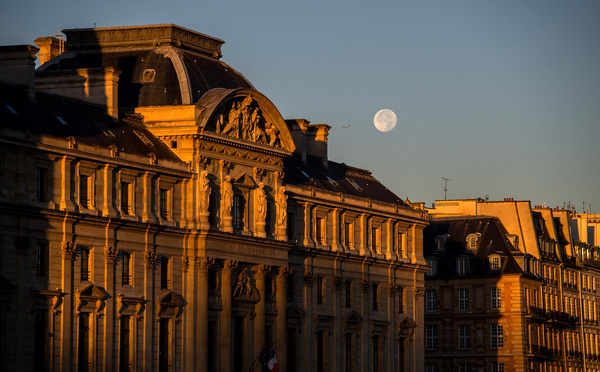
pixel 535 312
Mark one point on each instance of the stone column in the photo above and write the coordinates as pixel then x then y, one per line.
pixel 66 202
pixel 148 351
pixel 228 268
pixel 190 315
pixel 260 273
pixel 391 329
pixel 365 285
pixel 339 342
pixel 281 320
pixel 308 220
pixel 108 180
pixel 68 253
pixel 204 264
pixel 336 241
pixel 110 256
pixel 309 331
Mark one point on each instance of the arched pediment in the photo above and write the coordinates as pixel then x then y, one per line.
pixel 246 115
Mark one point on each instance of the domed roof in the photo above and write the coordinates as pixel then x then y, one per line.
pixel 160 65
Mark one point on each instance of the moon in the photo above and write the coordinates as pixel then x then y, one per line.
pixel 385 120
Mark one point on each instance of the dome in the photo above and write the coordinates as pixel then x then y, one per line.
pixel 161 65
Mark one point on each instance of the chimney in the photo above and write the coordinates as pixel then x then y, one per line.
pixel 50 47
pixel 94 85
pixel 17 66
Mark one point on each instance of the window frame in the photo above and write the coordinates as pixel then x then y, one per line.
pixel 430 300
pixel 431 337
pixel 496 336
pixel 464 336
pixel 463 301
pixel 495 298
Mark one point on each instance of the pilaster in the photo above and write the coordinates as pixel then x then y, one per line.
pixel 281 320
pixel 228 268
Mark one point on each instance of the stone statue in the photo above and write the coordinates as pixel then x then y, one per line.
pixel 272 134
pixel 246 114
pixel 261 202
pixel 281 207
pixel 259 134
pixel 227 196
pixel 204 192
pixel 233 126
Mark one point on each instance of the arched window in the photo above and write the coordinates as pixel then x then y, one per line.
pixel 495 262
pixel 472 240
pixel 440 242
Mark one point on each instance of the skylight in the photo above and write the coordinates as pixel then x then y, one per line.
pixel 61 120
pixel 331 181
pixel 9 107
pixel 107 132
pixel 353 183
pixel 143 137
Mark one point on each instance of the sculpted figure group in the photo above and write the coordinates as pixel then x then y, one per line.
pixel 245 120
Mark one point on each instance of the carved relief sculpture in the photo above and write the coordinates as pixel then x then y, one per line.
pixel 261 202
pixel 226 196
pixel 281 207
pixel 204 192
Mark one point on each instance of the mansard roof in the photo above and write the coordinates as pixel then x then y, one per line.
pixel 160 64
pixel 492 241
pixel 87 123
pixel 338 178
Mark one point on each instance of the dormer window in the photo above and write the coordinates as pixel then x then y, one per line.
pixel 472 240
pixel 440 242
pixel 432 263
pixel 462 266
pixel 353 183
pixel 495 263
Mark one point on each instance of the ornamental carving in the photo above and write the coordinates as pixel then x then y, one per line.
pixel 392 288
pixel 281 207
pixel 110 254
pixel 308 278
pixel 243 118
pixel 261 271
pixel 204 192
pixel 261 202
pixel 284 272
pixel 68 250
pixel 244 288
pixel 150 258
pixel 185 263
pixel 419 291
pixel 226 196
pixel 205 263
pixel 337 282
pixel 229 266
pixel 365 284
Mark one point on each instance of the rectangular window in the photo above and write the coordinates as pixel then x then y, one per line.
pixel 320 230
pixel 163 345
pixel 291 231
pixel 496 299
pixel 269 219
pixel 85 264
pixel 431 337
pixel 431 367
pixel 464 336
pixel 84 196
pixel 291 288
pixel 400 245
pixel 320 290
pixel 125 197
pixel 40 346
pixel 126 277
pixel 349 353
pixel 124 344
pixel 464 367
pixel 497 367
pixel 401 300
pixel 430 300
pixel 348 235
pixel 238 212
pixel 495 263
pixel 497 336
pixel 348 293
pixel 462 266
pixel 321 352
pixel 40 184
pixel 164 203
pixel 376 351
pixel 376 297
pixel 83 343
pixel 463 299
pixel 164 272
pixel 42 264
pixel 375 239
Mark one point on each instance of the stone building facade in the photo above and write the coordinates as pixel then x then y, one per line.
pixel 158 213
pixel 540 268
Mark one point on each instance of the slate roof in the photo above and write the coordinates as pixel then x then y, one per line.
pixel 337 177
pixel 133 57
pixel 493 240
pixel 87 123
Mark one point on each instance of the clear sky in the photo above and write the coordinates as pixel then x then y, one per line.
pixel 502 97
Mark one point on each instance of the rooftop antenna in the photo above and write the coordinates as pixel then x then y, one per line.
pixel 445 186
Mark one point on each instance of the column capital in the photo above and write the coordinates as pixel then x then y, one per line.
pixel 261 271
pixel 284 272
pixel 205 263
pixel 110 254
pixel 185 263
pixel 419 291
pixel 229 266
pixel 68 250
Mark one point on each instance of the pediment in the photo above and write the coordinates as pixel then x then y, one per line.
pixel 245 180
pixel 352 316
pixel 91 298
pixel 169 305
pixel 405 326
pixel 92 291
pixel 295 311
pixel 244 115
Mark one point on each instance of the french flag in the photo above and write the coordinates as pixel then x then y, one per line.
pixel 271 361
